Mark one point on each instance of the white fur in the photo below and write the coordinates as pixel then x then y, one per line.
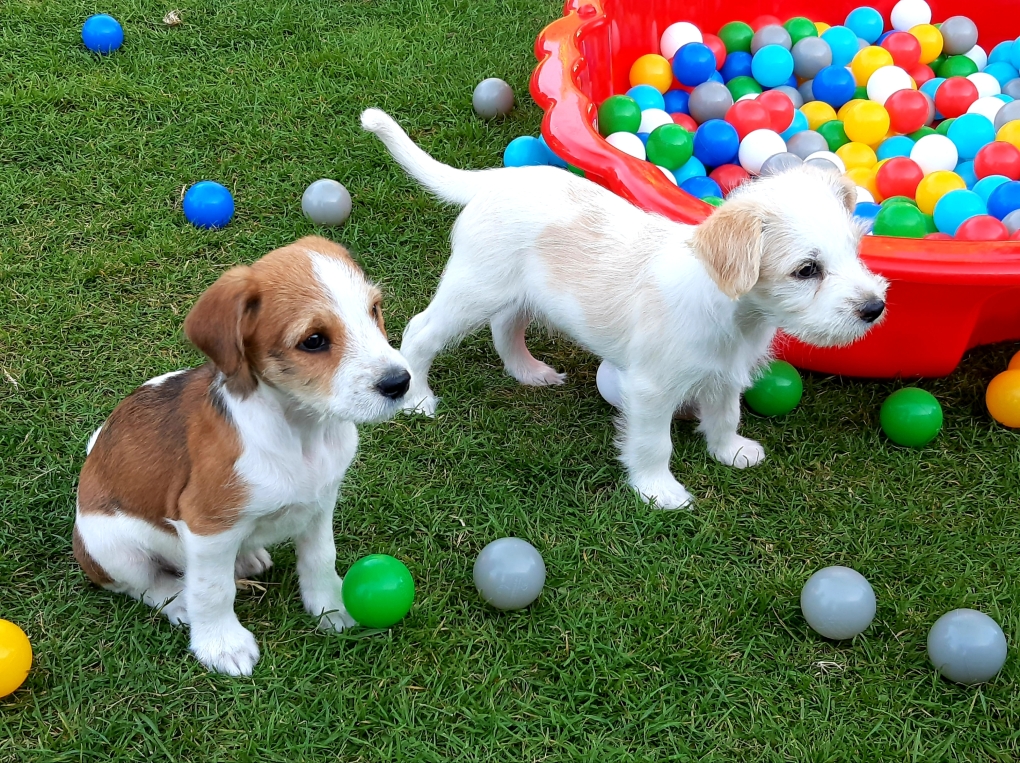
pixel 540 243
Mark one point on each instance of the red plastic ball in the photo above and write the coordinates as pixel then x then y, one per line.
pixel 765 20
pixel 780 108
pixel 899 177
pixel 998 158
pixel 955 96
pixel 982 228
pixel 905 49
pixel 748 116
pixel 718 48
pixel 908 110
pixel 938 236
pixel 921 73
pixel 678 85
pixel 729 176
pixel 1015 236
pixel 686 121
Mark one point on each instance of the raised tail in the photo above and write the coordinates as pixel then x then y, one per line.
pixel 449 184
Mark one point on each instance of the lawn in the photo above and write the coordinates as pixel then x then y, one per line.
pixel 659 636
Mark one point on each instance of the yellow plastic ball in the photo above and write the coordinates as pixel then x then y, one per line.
pixel 934 186
pixel 931 41
pixel 818 113
pixel 867 123
pixel 880 163
pixel 847 107
pixel 857 155
pixel 15 657
pixel 869 60
pixel 654 70
pixel 1003 398
pixel 1014 364
pixel 865 178
pixel 821 26
pixel 1010 133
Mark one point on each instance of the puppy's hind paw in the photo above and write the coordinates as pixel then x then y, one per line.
pixel 665 493
pixel 739 452
pixel 539 375
pixel 252 563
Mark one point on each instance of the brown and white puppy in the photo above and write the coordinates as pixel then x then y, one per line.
pixel 195 473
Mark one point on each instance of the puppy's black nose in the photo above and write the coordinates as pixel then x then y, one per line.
pixel 871 310
pixel 394 384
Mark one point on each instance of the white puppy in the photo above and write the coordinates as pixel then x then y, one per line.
pixel 687 313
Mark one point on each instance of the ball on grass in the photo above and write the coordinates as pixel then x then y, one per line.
pixel 326 202
pixel 509 573
pixel 777 391
pixel 492 98
pixel 102 33
pixel 838 602
pixel 911 417
pixel 378 591
pixel 967 646
pixel 15 657
pixel 207 204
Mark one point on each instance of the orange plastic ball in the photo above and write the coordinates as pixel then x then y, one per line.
pixel 857 155
pixel 818 113
pixel 867 123
pixel 1003 398
pixel 934 186
pixel 654 70
pixel 931 41
pixel 869 60
pixel 1014 364
pixel 15 657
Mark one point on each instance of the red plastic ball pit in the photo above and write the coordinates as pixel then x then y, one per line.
pixel 998 158
pixel 945 296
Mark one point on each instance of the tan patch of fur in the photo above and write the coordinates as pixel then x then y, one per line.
pixel 846 191
pixel 93 570
pixel 729 244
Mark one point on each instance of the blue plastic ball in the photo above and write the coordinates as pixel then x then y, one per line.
pixel 675 101
pixel 835 85
pixel 1014 54
pixel 929 87
pixel 791 82
pixel 208 204
pixel 1004 199
pixel 866 23
pixel 550 157
pixel 737 64
pixel 956 207
pixel 969 132
pixel 1003 71
pixel 1004 98
pixel 1001 52
pixel 525 151
pixel 772 66
pixel 966 171
pixel 102 34
pixel 693 64
pixel 867 210
pixel 987 184
pixel 700 187
pixel 799 124
pixel 881 37
pixel 898 145
pixel 692 168
pixel 843 42
pixel 716 142
pixel 715 77
pixel 644 137
pixel 647 97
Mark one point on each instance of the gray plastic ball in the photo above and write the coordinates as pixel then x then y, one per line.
pixel 1012 221
pixel 709 100
pixel 326 202
pixel 967 646
pixel 862 44
pixel 773 34
pixel 1012 88
pixel 1010 112
pixel 492 98
pixel 822 163
pixel 793 93
pixel 810 56
pixel 931 109
pixel 509 573
pixel 780 163
pixel 959 34
pixel 806 90
pixel 838 602
pixel 805 143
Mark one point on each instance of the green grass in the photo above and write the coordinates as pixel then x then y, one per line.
pixel 660 636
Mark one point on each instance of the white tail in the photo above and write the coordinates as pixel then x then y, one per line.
pixel 449 184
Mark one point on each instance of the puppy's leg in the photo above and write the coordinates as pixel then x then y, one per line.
pixel 252 562
pixel 508 329
pixel 320 586
pixel 646 446
pixel 218 640
pixel 719 411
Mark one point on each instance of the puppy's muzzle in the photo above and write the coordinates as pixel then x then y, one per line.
pixel 871 310
pixel 394 384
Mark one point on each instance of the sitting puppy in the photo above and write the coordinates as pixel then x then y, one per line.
pixel 687 313
pixel 197 471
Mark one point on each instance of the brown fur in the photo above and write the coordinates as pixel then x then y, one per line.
pixel 90 566
pixel 729 244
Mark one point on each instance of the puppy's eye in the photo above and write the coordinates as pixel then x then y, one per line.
pixel 808 270
pixel 314 343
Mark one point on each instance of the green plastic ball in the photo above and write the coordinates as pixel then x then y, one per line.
pixel 378 591
pixel 944 126
pixel 742 85
pixel 736 36
pixel 918 134
pixel 911 417
pixel 799 28
pixel 575 170
pixel 619 113
pixel 957 66
pixel 929 224
pixel 899 200
pixel 861 93
pixel 900 220
pixel 715 201
pixel 777 390
pixel 834 134
pixel 939 60
pixel 670 146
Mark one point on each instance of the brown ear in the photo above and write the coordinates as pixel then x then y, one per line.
pixel 221 321
pixel 729 246
pixel 846 191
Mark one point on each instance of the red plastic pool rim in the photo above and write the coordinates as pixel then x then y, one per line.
pixel 945 296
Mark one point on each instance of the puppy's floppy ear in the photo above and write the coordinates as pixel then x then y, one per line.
pixel 729 245
pixel 222 320
pixel 846 191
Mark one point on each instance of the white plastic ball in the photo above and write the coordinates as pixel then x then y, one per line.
pixel 967 646
pixel 909 13
pixel 838 602
pixel 509 573
pixel 326 202
pixel 988 107
pixel 978 55
pixel 492 98
pixel 607 379
pixel 668 173
pixel 985 83
pixel 676 36
pixel 629 143
pixel 886 81
pixel 757 146
pixel 863 194
pixel 828 156
pixel 747 97
pixel 652 118
pixel 935 152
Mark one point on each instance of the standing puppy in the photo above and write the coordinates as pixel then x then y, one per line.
pixel 687 313
pixel 197 471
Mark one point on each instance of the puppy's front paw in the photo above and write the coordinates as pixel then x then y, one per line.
pixel 229 649
pixel 324 600
pixel 739 452
pixel 664 493
pixel 337 620
pixel 252 563
pixel 423 403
